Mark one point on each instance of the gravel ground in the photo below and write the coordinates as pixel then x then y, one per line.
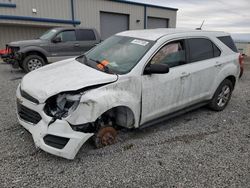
pixel 199 149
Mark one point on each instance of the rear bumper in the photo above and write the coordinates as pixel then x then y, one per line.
pixel 57 138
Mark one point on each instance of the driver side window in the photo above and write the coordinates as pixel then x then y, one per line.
pixel 173 54
pixel 67 36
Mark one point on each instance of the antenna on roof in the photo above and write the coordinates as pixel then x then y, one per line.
pixel 199 28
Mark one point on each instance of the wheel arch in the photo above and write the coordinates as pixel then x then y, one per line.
pixel 35 52
pixel 232 79
pixel 122 115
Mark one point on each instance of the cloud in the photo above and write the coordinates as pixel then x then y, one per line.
pixel 230 16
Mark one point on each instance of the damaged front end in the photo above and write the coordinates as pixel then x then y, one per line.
pixel 12 57
pixel 62 105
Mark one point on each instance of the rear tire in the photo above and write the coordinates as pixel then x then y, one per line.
pixel 221 96
pixel 32 62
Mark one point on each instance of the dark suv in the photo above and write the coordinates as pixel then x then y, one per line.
pixel 54 45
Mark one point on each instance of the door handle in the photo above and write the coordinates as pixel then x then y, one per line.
pixel 184 74
pixel 76 45
pixel 217 64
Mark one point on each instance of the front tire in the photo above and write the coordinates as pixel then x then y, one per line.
pixel 32 62
pixel 222 96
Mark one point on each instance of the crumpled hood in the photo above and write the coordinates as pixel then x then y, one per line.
pixel 27 43
pixel 67 75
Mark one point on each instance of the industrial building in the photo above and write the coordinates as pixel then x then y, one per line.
pixel 28 19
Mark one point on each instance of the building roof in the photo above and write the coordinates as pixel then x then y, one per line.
pixel 145 4
pixel 155 34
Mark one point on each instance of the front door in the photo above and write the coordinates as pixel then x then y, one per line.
pixel 163 93
pixel 67 46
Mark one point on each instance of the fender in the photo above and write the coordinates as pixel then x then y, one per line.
pixel 34 48
pixel 97 101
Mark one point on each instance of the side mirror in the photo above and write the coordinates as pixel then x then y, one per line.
pixel 57 40
pixel 156 69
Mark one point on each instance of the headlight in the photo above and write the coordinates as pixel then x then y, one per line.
pixel 62 105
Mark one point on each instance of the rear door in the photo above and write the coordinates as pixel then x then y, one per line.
pixel 201 71
pixel 86 39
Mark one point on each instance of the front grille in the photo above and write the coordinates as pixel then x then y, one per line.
pixel 28 97
pixel 27 114
pixel 55 141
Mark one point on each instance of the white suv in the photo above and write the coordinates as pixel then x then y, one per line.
pixel 132 79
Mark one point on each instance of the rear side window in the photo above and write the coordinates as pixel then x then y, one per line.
pixel 200 49
pixel 85 35
pixel 227 40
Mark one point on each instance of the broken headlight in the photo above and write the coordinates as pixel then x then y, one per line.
pixel 62 105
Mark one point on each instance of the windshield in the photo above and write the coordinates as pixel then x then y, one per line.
pixel 118 54
pixel 48 34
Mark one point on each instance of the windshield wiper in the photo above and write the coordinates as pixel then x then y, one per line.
pixel 106 69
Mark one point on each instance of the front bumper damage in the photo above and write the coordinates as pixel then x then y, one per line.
pixel 58 138
pixel 14 57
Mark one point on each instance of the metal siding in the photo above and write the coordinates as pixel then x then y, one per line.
pixel 163 13
pixel 54 9
pixel 113 23
pixel 13 33
pixel 88 11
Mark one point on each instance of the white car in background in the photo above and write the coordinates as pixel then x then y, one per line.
pixel 133 79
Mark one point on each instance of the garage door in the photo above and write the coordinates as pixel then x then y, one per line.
pixel 14 33
pixel 112 23
pixel 157 23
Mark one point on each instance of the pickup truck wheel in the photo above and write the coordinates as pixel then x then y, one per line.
pixel 105 136
pixel 221 96
pixel 32 62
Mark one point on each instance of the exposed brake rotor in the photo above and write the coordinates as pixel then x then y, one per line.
pixel 105 136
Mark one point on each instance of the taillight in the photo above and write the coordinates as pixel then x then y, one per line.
pixel 241 59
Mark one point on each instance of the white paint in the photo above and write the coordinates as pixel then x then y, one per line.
pixel 67 75
pixel 155 34
pixel 158 94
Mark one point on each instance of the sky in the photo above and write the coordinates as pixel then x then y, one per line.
pixel 221 15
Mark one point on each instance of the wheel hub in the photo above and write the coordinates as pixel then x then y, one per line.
pixel 223 96
pixel 105 136
pixel 34 64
